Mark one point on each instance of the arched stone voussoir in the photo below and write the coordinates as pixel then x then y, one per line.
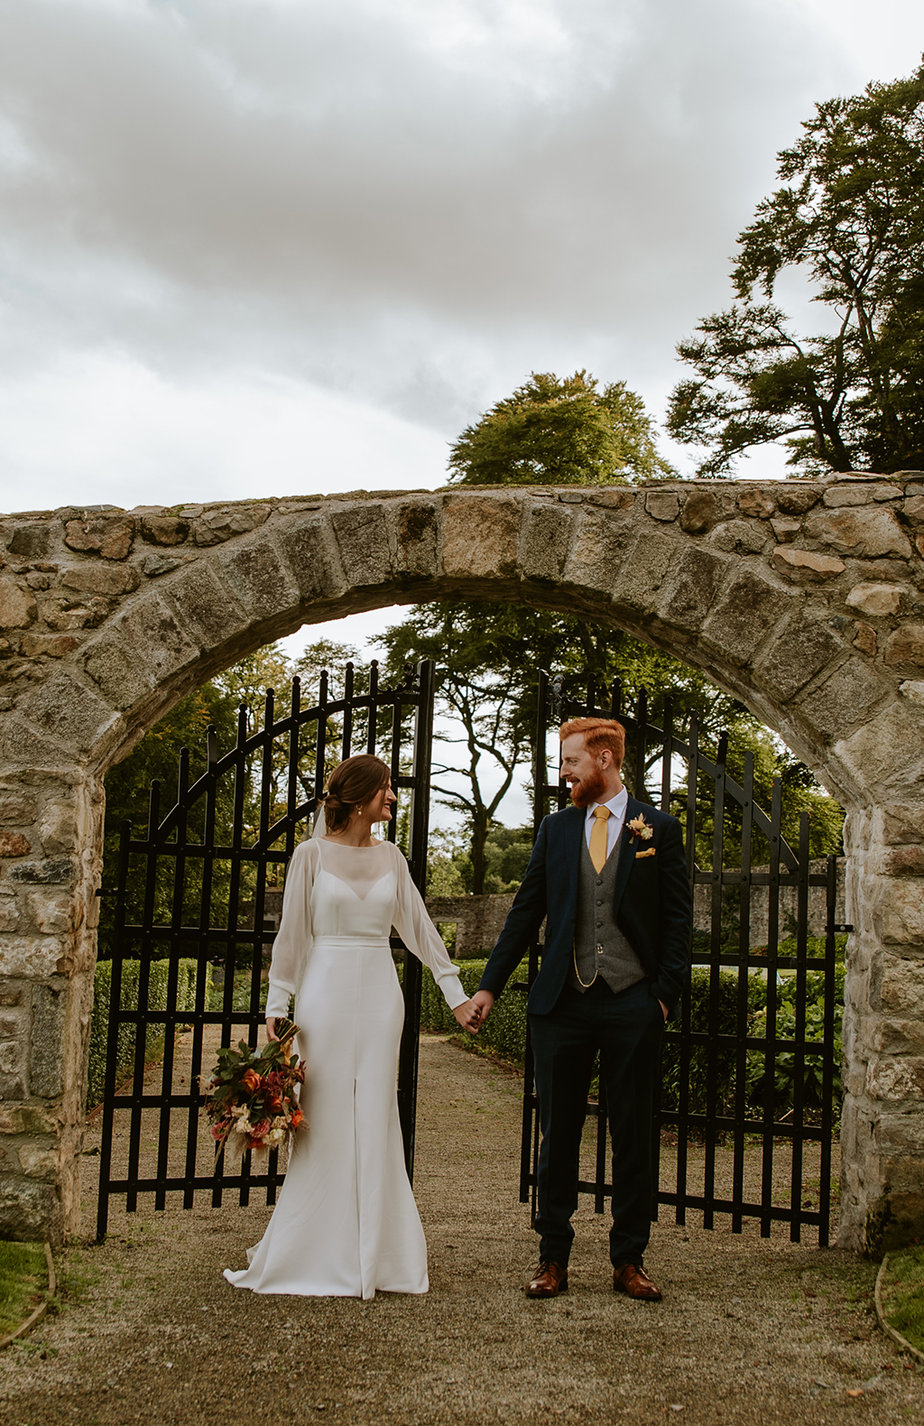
pixel 480 534
pixel 72 716
pixel 885 753
pixel 746 616
pixel 140 649
pixel 601 550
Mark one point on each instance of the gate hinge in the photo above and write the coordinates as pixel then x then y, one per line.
pixel 841 927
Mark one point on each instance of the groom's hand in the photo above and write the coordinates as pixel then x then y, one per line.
pixel 483 1001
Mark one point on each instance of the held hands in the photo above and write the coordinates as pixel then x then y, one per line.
pixel 467 1016
pixel 481 1002
pixel 472 1013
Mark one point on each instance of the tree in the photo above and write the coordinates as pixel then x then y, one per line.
pixel 474 692
pixel 449 863
pixel 508 853
pixel 771 759
pixel 560 431
pixel 325 656
pixel 849 220
pixel 246 682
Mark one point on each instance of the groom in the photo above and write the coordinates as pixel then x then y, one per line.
pixel 610 876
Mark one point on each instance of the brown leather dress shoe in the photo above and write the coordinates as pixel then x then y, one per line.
pixel 548 1280
pixel 635 1282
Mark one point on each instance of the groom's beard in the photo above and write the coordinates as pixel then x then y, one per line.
pixel 588 789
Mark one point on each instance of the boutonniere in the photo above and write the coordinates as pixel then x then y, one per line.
pixel 641 829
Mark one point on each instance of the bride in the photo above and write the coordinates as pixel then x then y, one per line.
pixel 346 1224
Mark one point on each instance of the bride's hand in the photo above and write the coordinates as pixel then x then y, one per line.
pixel 271 1028
pixel 468 1015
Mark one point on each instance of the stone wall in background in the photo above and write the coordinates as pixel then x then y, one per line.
pixel 479 919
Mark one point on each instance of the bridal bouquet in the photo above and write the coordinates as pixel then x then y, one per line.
pixel 250 1099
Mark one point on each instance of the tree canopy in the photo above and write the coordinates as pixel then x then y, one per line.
pixel 560 431
pixel 848 220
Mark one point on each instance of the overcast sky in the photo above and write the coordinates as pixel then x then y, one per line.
pixel 280 246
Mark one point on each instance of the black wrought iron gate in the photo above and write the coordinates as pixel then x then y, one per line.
pixel 746 1115
pixel 193 924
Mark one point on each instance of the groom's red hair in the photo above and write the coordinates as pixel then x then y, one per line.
pixel 598 733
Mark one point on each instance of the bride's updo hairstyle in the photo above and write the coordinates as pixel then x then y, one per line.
pixel 352 784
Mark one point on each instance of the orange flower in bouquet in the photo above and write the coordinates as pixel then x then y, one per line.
pixel 250 1100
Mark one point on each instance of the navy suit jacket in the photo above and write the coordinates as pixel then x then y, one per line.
pixel 651 901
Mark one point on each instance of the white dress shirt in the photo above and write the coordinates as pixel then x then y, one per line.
pixel 617 807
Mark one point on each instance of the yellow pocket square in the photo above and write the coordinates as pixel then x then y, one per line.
pixel 650 853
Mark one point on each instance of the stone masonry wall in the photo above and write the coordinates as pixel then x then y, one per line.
pixel 805 599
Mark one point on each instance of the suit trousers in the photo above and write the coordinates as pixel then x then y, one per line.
pixel 627 1029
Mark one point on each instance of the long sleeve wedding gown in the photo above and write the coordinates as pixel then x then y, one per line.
pixel 346 1224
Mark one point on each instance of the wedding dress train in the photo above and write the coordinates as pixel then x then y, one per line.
pixel 346 1224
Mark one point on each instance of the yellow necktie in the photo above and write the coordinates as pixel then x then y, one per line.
pixel 598 838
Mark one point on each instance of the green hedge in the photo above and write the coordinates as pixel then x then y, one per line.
pixel 187 971
pixel 240 995
pixel 504 1033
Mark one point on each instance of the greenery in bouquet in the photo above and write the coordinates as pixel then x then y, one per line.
pixel 250 1100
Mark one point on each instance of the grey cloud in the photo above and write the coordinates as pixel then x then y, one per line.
pixel 328 191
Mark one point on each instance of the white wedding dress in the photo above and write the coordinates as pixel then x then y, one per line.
pixel 346 1224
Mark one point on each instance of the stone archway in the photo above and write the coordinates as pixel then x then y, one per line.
pixel 805 599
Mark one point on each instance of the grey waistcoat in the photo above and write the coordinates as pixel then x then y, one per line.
pixel 600 948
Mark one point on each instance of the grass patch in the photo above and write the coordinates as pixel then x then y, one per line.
pixel 23 1281
pixel 902 1290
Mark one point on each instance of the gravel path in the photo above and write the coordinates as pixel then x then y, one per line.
pixel 749 1331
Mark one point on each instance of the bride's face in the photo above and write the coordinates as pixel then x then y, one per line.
pixel 381 804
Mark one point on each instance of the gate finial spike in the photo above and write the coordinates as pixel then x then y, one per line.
pixel 556 691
